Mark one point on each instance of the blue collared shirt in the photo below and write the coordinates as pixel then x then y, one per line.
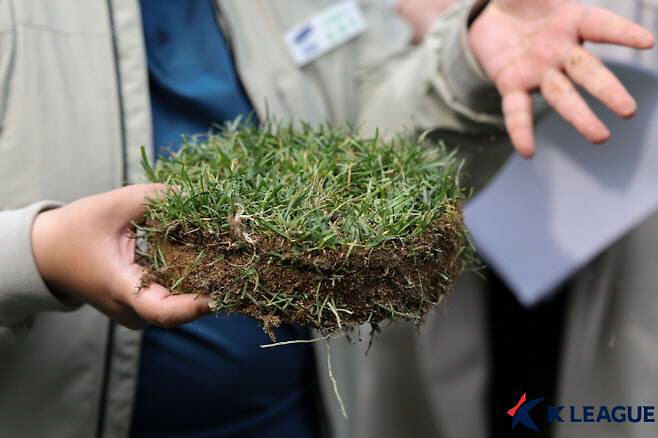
pixel 210 378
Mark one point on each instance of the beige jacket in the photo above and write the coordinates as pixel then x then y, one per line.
pixel 74 110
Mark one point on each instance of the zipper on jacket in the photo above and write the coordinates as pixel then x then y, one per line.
pixel 122 112
pixel 109 349
pixel 109 346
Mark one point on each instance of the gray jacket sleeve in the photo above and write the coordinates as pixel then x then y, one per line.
pixel 23 292
pixel 438 84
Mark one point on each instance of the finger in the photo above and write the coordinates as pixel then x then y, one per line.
pixel 563 97
pixel 601 25
pixel 586 70
pixel 129 318
pixel 158 306
pixel 517 109
pixel 122 314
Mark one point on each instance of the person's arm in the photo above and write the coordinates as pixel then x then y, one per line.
pixel 506 49
pixel 437 84
pixel 53 259
pixel 22 290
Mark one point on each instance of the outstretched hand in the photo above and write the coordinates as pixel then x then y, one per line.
pixel 528 45
pixel 85 250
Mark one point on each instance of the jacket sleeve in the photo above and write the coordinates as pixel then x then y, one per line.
pixel 436 85
pixel 23 292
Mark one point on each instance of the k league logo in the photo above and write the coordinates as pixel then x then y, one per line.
pixel 521 413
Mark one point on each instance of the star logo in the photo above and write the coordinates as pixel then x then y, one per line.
pixel 521 413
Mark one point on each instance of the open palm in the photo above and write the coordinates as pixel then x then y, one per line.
pixel 528 45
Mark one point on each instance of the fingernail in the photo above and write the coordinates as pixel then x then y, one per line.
pixel 629 109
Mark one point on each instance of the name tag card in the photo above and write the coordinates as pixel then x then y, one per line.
pixel 324 31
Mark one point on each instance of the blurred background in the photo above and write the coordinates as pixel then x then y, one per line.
pixel 397 391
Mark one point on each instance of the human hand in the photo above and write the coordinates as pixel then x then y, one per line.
pixel 420 14
pixel 525 45
pixel 85 249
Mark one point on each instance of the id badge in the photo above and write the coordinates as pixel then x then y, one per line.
pixel 324 31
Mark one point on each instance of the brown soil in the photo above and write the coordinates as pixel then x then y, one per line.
pixel 324 290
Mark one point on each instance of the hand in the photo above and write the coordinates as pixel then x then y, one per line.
pixel 524 45
pixel 85 250
pixel 420 14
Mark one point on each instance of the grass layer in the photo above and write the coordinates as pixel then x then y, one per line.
pixel 313 225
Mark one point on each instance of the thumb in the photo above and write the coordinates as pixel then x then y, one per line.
pixel 129 203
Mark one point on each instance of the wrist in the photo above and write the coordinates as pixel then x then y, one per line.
pixel 42 245
pixel 44 250
pixel 467 86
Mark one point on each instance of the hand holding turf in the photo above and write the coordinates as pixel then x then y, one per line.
pixel 86 250
pixel 525 45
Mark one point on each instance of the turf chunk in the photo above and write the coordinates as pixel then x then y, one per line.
pixel 309 224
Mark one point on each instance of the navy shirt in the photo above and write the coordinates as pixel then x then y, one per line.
pixel 210 378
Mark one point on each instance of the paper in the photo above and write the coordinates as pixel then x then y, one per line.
pixel 539 221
